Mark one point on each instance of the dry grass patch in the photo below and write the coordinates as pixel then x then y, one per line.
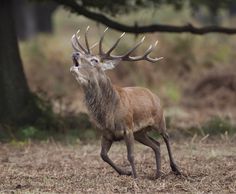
pixel 55 168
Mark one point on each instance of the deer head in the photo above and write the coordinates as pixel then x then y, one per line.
pixel 89 67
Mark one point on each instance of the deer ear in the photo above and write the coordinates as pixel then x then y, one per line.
pixel 110 64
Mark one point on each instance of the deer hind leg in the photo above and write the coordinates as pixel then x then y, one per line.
pixel 155 145
pixel 173 166
pixel 162 130
pixel 106 145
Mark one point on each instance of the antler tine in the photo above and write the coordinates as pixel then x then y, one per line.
pixel 126 55
pixel 101 52
pixel 86 39
pixel 76 38
pixel 150 59
pixel 115 44
pixel 136 58
pixel 153 60
pixel 149 50
pixel 94 45
pixel 73 43
pixel 146 56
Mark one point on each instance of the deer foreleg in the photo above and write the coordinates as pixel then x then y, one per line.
pixel 106 145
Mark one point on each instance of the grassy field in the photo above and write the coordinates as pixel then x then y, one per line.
pixel 208 166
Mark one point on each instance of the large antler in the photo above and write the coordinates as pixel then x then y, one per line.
pixel 107 55
pixel 126 56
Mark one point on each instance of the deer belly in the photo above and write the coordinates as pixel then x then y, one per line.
pixel 140 124
pixel 114 134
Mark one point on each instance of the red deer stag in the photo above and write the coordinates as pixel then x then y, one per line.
pixel 121 113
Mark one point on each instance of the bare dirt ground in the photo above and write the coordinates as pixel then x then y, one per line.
pixel 209 166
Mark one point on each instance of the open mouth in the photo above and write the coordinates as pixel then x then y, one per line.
pixel 76 63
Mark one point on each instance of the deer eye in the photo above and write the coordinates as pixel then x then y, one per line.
pixel 94 61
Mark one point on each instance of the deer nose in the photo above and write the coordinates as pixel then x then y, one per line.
pixel 76 55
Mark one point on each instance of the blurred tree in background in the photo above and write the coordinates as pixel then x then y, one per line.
pixel 17 104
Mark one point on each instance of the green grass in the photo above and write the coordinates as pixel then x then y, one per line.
pixel 69 129
pixel 218 125
pixel 215 126
pixel 173 92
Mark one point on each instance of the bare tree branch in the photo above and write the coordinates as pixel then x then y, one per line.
pixel 79 9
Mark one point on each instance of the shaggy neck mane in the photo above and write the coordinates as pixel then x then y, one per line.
pixel 101 100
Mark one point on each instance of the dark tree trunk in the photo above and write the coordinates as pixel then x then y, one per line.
pixel 16 102
pixel 24 16
pixel 32 18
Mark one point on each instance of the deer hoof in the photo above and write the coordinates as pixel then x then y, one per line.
pixel 157 176
pixel 175 170
pixel 127 173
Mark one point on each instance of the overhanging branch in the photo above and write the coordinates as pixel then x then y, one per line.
pixel 79 9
